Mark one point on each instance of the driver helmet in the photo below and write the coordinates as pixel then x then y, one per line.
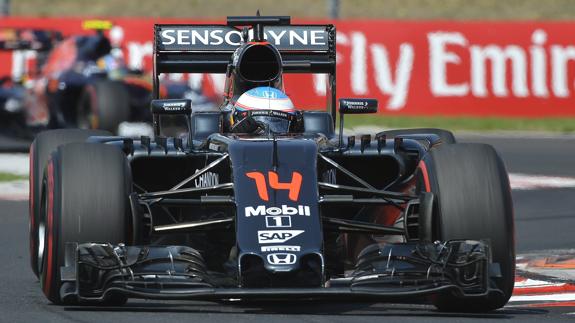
pixel 270 108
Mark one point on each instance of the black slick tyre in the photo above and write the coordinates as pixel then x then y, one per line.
pixel 472 201
pixel 104 105
pixel 40 149
pixel 86 200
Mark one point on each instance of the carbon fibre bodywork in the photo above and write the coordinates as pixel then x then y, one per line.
pixel 331 240
pixel 217 214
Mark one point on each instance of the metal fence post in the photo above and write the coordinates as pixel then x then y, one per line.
pixel 334 9
pixel 4 8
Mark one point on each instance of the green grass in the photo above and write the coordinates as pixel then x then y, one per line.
pixel 560 125
pixel 7 177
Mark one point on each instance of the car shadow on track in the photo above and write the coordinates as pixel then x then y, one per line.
pixel 301 308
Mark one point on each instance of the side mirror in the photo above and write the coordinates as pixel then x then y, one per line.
pixel 354 106
pixel 357 106
pixel 172 106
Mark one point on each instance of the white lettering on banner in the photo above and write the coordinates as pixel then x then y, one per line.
pixel 560 56
pixel 398 90
pixel 539 64
pixel 320 84
pixel 137 52
pixel 439 57
pixel 358 64
pixel 465 65
pixel 498 57
pixel 20 60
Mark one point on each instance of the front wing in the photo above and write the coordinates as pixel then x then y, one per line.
pixel 97 272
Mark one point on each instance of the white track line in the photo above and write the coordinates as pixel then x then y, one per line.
pixel 14 191
pixel 14 164
pixel 545 297
pixel 533 182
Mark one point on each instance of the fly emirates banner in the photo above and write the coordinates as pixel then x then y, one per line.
pixel 476 68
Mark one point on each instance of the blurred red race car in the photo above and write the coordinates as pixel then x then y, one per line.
pixel 83 82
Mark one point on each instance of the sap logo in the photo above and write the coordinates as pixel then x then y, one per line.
pixel 274 210
pixel 275 236
pixel 207 179
pixel 280 248
pixel 281 258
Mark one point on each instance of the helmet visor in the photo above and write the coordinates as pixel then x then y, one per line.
pixel 274 124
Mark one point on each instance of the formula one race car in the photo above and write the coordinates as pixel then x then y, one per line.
pixel 264 201
pixel 12 88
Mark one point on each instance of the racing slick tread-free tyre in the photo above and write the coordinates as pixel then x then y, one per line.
pixel 473 201
pixel 446 136
pixel 86 200
pixel 104 105
pixel 40 149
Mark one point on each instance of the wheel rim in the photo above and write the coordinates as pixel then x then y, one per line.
pixel 42 228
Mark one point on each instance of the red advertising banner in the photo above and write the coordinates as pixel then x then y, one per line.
pixel 509 69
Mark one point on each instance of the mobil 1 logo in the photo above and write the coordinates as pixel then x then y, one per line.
pixel 278 221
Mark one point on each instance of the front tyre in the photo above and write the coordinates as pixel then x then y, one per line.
pixel 473 201
pixel 40 150
pixel 85 200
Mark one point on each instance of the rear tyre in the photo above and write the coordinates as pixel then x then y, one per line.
pixel 104 105
pixel 446 136
pixel 473 201
pixel 44 144
pixel 85 200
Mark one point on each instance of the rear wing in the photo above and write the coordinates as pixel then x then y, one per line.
pixel 182 48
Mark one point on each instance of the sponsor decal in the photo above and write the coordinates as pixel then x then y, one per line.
pixel 293 187
pixel 207 179
pixel 281 248
pixel 173 106
pixel 274 210
pixel 227 38
pixel 277 236
pixel 278 221
pixel 281 258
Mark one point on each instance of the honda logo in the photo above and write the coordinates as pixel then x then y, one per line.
pixel 282 258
